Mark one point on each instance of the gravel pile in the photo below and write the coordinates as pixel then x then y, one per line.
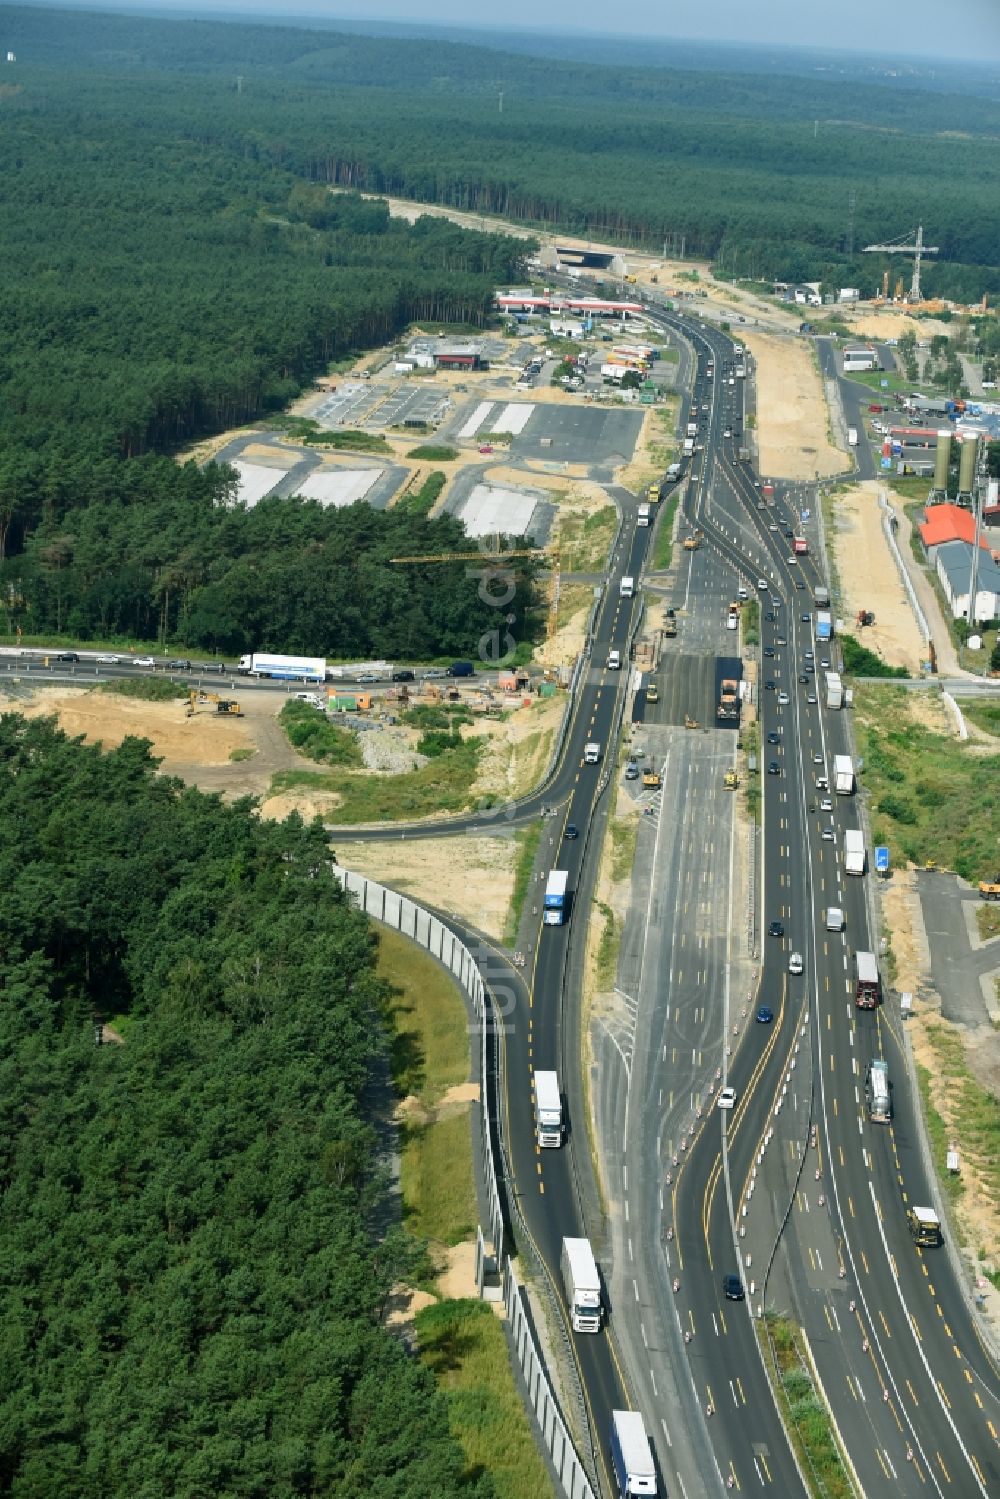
pixel 390 752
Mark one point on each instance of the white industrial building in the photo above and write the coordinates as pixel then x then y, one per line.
pixel 954 569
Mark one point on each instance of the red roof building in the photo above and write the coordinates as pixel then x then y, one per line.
pixel 946 523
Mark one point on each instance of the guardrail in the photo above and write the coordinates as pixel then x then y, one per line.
pixel 890 536
pixel 429 932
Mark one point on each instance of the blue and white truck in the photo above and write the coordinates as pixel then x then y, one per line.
pixel 288 668
pixel 631 1458
pixel 824 625
pixel 555 898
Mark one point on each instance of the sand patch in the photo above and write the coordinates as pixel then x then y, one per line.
pixel 461 1093
pixel 869 579
pixel 106 718
pixel 472 877
pixel 458 1278
pixel 792 421
pixel 308 804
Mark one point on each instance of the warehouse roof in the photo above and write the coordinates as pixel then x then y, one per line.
pixel 955 557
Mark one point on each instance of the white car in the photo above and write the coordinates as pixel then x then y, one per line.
pixel 795 963
pixel 783 698
pixel 109 660
pixel 817 758
pixel 727 1098
pixel 826 805
pixel 143 661
pixel 827 835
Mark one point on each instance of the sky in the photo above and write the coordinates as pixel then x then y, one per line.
pixel 915 28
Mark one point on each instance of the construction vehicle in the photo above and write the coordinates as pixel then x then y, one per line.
pixel 691 723
pixel 990 889
pixel 652 693
pixel 651 780
pixel 729 699
pixel 865 617
pixel 224 705
pixel 670 626
pixel 730 780
pixel 692 542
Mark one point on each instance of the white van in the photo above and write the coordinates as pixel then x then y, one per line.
pixel 834 919
pixel 614 660
pixel 795 963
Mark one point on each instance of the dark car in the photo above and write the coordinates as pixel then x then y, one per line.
pixel 803 677
pixel 764 1015
pixel 773 738
pixel 461 669
pixel 776 929
pixel 732 1288
pixel 773 768
pixel 806 618
pixel 769 685
pixel 66 656
pixel 572 831
pixel 810 670
pixel 769 650
pixel 403 675
pixel 181 664
pixel 769 616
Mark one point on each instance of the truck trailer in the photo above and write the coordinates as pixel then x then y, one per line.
pixel 866 981
pixel 824 625
pixel 843 775
pixel 555 898
pixel 582 1285
pixel 854 851
pixel 834 690
pixel 631 1458
pixel 548 1110
pixel 821 597
pixel 288 668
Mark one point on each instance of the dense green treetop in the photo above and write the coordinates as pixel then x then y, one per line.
pixel 192 1298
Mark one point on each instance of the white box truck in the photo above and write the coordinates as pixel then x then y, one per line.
pixel 290 668
pixel 854 851
pixel 582 1285
pixel 834 690
pixel 843 775
pixel 626 586
pixel 834 919
pixel 555 898
pixel 591 753
pixel 548 1110
pixel 643 519
pixel 631 1458
pixel 852 437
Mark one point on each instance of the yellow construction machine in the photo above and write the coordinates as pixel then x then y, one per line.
pixel 692 542
pixel 691 723
pixel 651 780
pixel 223 705
pixel 730 780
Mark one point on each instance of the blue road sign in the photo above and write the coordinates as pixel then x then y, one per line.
pixel 806 514
pixel 881 861
pixel 884 384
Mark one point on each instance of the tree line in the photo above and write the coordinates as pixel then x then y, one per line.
pixel 193 1298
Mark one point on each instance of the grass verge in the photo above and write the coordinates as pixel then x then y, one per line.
pixel 988 920
pixel 428 1054
pixel 311 733
pixel 422 501
pixel 932 798
pixel 527 840
pixel 607 947
pixel 441 786
pixel 585 540
pixel 805 1413
pixel 959 1108
pixel 463 1344
pixel 624 837
pixel 663 543
pixel 241 754
pixel 431 452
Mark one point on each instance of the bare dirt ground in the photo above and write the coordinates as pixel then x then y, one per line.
pixel 792 421
pixel 879 323
pixel 470 876
pixel 947 656
pixel 869 580
pixel 977 1214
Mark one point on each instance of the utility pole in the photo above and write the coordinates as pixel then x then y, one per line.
pixel 501 101
pixel 978 485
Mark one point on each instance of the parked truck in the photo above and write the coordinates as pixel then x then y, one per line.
pixel 824 625
pixel 854 851
pixel 852 437
pixel 548 1110
pixel 289 668
pixel 834 690
pixel 555 898
pixel 582 1285
pixel 866 981
pixel 843 775
pixel 631 1456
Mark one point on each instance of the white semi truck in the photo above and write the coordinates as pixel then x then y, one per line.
pixel 843 775
pixel 834 690
pixel 854 851
pixel 554 913
pixel 290 668
pixel 548 1110
pixel 582 1285
pixel 631 1458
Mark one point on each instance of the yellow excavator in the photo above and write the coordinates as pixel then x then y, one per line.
pixel 730 780
pixel 651 780
pixel 223 705
pixel 990 889
pixel 692 542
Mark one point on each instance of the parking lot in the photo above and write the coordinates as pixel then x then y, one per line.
pixel 377 407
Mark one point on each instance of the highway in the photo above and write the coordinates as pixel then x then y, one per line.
pixel 911 1385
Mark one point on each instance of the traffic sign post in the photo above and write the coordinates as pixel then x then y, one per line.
pixel 882 861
